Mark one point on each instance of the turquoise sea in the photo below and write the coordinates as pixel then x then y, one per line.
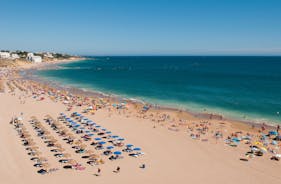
pixel 246 88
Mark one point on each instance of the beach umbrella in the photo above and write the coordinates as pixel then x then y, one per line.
pixel 102 142
pixel 27 135
pixel 273 133
pixel 137 149
pixel 90 152
pixel 98 126
pixel 45 165
pixel 66 155
pixel 114 136
pixel 83 146
pixel 109 147
pixel 263 149
pixel 61 149
pixel 42 159
pixel 94 156
pixel 97 139
pixel 34 147
pixel 129 145
pixel 33 117
pixel 37 153
pixel 108 132
pixel 104 129
pixel 58 145
pixel 254 149
pixel 117 153
pixel 72 162
pixel 121 139
pixel 235 139
pixel 258 143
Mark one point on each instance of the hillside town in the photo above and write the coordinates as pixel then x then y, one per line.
pixel 8 58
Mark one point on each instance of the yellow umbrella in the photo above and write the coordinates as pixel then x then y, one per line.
pixel 90 152
pixel 258 143
pixel 263 149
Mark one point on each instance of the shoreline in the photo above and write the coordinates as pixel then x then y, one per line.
pixel 115 97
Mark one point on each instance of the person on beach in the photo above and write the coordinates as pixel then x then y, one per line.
pixel 118 169
pixel 99 171
pixel 142 166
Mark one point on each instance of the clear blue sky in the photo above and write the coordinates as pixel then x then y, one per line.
pixel 142 27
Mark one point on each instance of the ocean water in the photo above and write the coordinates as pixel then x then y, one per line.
pixel 246 88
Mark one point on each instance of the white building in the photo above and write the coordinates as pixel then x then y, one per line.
pixel 48 55
pixel 32 58
pixel 36 59
pixel 29 56
pixel 5 55
pixel 14 56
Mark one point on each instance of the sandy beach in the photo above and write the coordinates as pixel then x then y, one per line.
pixel 167 145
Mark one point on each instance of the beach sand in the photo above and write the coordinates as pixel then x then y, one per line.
pixel 170 154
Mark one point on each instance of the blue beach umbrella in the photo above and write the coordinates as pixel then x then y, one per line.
pixel 137 149
pixel 98 126
pixel 104 129
pixel 91 135
pixel 235 139
pixel 108 132
pixel 97 139
pixel 273 133
pixel 117 153
pixel 129 145
pixel 114 136
pixel 102 142
pixel 121 139
pixel 109 147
